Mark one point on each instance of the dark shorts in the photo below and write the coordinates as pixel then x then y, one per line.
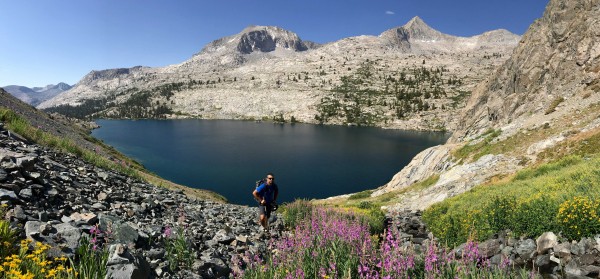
pixel 264 210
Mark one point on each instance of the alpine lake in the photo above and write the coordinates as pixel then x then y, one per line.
pixel 229 156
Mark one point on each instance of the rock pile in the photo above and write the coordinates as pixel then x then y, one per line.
pixel 58 199
pixel 548 254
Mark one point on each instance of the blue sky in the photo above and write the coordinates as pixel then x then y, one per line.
pixel 44 42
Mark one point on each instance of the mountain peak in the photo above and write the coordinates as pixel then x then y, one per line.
pixel 268 38
pixel 416 21
pixel 257 38
pixel 419 30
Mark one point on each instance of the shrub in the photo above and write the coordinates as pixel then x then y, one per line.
pixel 533 217
pixel 528 205
pixel 365 205
pixel 578 217
pixel 361 195
pixel 500 213
pixel 375 218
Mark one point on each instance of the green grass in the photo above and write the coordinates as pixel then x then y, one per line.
pixel 528 205
pixel 363 200
pixel 479 149
pixel 361 195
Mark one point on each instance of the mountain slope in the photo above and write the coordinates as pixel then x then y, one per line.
pixel 266 72
pixel 558 59
pixel 541 104
pixel 36 95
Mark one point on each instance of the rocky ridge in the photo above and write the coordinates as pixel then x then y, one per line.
pixel 557 61
pixel 57 199
pixel 283 75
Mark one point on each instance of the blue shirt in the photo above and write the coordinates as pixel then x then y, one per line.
pixel 267 192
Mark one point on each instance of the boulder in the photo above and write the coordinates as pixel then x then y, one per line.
pixel 224 236
pixel 68 234
pixel 489 248
pixel 8 195
pixel 526 249
pixel 89 218
pixel 121 232
pixel 545 242
pixel 123 265
pixel 32 229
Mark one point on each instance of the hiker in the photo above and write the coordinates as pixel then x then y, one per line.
pixel 266 194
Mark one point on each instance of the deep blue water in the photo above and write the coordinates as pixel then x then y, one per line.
pixel 228 156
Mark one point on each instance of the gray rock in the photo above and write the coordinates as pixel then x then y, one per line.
pixel 121 232
pixel 10 186
pixel 526 249
pixel 32 229
pixel 26 194
pixel 241 238
pixel 103 175
pixel 102 196
pixel 545 242
pixel 224 236
pixel 3 175
pixel 25 162
pixel 587 259
pixel 7 195
pixel 69 235
pixel 489 248
pixel 577 249
pixel 507 251
pixel 572 269
pixel 123 265
pixel 43 216
pixel 65 219
pixel 51 192
pixel 543 263
pixel 156 253
pixel 19 213
pixel 89 218
pixel 563 251
pixel 99 206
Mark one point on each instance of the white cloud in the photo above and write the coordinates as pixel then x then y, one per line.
pixel 389 13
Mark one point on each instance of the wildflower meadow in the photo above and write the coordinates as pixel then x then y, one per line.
pixel 333 243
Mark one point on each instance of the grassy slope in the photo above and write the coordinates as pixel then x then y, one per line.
pixel 527 202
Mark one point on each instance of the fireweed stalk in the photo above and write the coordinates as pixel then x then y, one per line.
pixel 329 244
pixel 334 244
pixel 92 254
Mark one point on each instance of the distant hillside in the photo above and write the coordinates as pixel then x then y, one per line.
pixel 35 96
pixel 411 77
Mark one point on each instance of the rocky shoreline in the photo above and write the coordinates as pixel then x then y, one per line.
pixel 57 199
